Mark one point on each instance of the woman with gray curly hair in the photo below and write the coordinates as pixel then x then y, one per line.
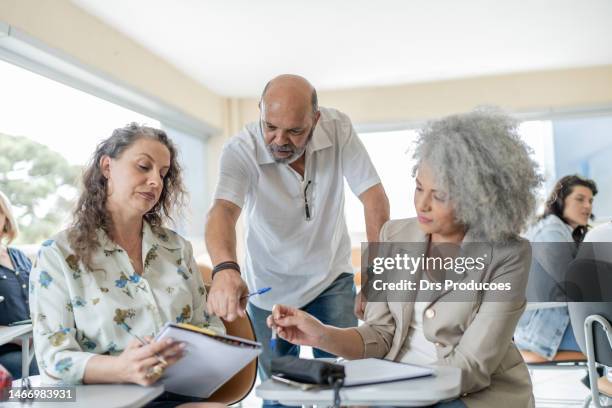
pixel 475 183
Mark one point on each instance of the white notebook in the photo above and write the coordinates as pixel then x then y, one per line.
pixel 374 370
pixel 210 359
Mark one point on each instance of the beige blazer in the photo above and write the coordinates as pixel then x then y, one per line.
pixel 475 336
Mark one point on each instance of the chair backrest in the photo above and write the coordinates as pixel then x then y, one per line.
pixel 591 278
pixel 241 384
pixel 206 272
pixel 561 359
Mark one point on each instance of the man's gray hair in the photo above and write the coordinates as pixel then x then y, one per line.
pixel 479 159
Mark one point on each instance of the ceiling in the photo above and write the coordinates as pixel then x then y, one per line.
pixel 234 47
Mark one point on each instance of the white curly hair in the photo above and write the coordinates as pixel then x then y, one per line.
pixel 479 159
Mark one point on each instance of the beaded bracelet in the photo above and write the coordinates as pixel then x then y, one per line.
pixel 225 265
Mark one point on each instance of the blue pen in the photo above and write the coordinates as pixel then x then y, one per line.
pixel 257 292
pixel 273 340
pixel 261 292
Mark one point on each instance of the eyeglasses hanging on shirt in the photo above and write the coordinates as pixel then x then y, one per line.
pixel 307 209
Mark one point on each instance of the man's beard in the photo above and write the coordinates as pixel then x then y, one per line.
pixel 296 152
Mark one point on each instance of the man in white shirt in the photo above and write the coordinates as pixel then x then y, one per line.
pixel 286 172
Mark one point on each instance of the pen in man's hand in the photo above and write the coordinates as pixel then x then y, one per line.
pixel 257 292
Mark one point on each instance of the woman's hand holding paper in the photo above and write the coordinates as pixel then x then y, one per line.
pixel 137 362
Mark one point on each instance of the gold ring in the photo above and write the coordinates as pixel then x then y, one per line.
pixel 155 371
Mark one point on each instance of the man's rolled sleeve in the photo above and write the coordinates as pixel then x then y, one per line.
pixel 356 164
pixel 234 177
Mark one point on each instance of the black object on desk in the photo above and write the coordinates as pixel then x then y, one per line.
pixel 307 371
pixel 294 370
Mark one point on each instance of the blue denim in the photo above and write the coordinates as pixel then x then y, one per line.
pixel 14 288
pixel 333 306
pixel 542 330
pixel 456 403
pixel 171 400
pixel 10 358
pixel 568 341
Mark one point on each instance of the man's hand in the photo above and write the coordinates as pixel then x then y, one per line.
pixel 226 298
pixel 360 305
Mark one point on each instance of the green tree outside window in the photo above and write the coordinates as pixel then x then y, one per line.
pixel 41 185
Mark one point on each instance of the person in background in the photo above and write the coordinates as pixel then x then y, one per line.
pixel 555 238
pixel 475 183
pixel 600 237
pixel 14 273
pixel 117 272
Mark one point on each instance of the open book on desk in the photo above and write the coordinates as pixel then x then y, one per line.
pixel 210 359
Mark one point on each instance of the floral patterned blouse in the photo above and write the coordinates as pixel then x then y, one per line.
pixel 78 313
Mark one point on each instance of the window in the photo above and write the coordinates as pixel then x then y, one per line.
pixel 560 147
pixel 391 154
pixel 49 131
pixel 50 126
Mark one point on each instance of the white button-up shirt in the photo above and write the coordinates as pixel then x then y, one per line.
pixel 78 313
pixel 298 258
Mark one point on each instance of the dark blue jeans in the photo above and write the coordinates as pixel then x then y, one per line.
pixel 10 358
pixel 334 307
pixel 456 403
pixel 171 400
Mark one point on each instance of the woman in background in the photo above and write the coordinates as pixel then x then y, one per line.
pixel 555 238
pixel 118 272
pixel 14 273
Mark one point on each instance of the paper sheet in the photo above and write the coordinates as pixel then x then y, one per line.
pixel 208 362
pixel 373 370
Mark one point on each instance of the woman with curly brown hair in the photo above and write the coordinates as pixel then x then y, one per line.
pixel 117 273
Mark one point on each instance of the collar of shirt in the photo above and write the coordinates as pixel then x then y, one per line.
pixel 151 237
pixel 320 140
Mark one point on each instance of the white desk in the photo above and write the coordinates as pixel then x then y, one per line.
pixel 97 396
pixel 446 384
pixel 23 332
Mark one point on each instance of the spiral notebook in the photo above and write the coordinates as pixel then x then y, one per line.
pixel 210 360
pixel 376 371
